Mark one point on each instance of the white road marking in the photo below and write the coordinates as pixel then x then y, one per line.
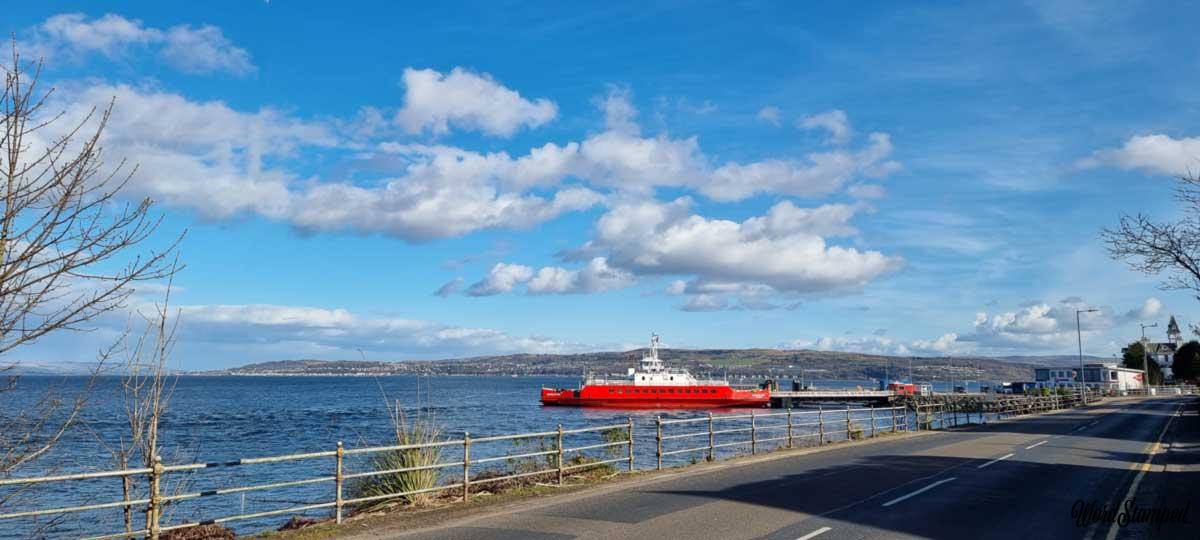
pixel 815 533
pixel 1035 445
pixel 1001 458
pixel 918 492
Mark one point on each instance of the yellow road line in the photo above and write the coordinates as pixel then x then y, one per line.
pixel 1142 469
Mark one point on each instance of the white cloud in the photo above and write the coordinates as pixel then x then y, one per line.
pixel 501 279
pixel 784 250
pixel 620 157
pixel 1151 308
pixel 202 155
pixel 466 100
pixel 1044 327
pixel 449 288
pixel 705 302
pixel 945 345
pixel 199 50
pixel 866 191
pixel 769 115
pixel 835 122
pixel 226 163
pixel 204 50
pixel 596 276
pixel 619 113
pixel 748 265
pixel 821 173
pixel 1156 153
pixel 338 332
pixel 219 161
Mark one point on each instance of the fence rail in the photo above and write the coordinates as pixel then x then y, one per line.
pixel 840 421
pixel 556 459
pixel 561 454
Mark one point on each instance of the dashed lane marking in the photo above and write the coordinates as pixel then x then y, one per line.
pixel 918 492
pixel 815 533
pixel 1001 458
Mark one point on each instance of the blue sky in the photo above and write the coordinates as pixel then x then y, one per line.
pixel 909 178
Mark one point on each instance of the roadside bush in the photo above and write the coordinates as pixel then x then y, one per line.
pixel 856 431
pixel 419 431
pixel 201 532
pixel 533 463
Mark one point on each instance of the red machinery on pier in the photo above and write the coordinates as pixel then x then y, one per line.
pixel 654 386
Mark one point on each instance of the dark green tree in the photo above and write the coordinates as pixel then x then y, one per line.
pixel 1135 355
pixel 1186 364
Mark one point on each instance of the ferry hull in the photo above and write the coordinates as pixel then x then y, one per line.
pixel 655 397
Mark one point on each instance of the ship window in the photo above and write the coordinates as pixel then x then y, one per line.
pixel 672 378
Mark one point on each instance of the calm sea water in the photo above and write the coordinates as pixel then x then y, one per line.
pixel 217 419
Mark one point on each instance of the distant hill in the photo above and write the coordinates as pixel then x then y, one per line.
pixel 43 367
pixel 750 363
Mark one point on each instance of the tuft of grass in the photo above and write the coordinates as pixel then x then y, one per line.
pixel 421 430
pixel 856 431
pixel 531 464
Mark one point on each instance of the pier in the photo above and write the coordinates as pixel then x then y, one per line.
pixel 783 399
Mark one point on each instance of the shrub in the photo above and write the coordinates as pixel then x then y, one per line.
pixel 532 464
pixel 201 532
pixel 419 431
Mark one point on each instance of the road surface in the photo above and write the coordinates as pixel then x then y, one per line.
pixel 1019 478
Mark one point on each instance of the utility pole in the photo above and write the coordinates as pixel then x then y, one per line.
pixel 1146 356
pixel 1079 339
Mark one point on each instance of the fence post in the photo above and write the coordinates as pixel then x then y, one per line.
pixel 872 421
pixel 710 437
pixel 337 484
pixel 893 409
pixel 658 442
pixel 154 512
pixel 466 466
pixel 630 419
pixel 847 421
pixel 789 420
pixel 942 416
pixel 560 455
pixel 820 425
pixel 753 436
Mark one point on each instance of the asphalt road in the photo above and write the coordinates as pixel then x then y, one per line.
pixel 1015 479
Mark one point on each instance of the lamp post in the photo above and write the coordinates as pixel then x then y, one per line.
pixel 1079 338
pixel 1146 356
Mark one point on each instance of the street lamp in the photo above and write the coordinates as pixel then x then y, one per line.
pixel 1079 338
pixel 1146 356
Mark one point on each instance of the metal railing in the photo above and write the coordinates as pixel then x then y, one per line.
pixel 563 459
pixel 1163 390
pixel 942 415
pixel 567 453
pixel 784 428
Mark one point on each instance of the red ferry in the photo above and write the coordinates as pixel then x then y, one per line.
pixel 654 386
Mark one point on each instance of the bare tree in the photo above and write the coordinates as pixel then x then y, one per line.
pixel 70 249
pixel 1170 248
pixel 146 386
